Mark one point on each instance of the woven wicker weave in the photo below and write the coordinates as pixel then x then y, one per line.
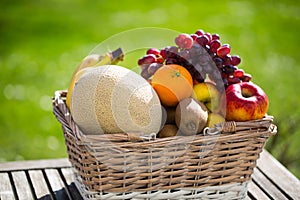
pixel 214 165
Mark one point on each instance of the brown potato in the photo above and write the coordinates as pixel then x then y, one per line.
pixel 168 130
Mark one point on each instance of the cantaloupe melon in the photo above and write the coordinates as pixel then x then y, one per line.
pixel 113 99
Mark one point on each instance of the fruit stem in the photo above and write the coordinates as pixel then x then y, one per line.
pixel 246 93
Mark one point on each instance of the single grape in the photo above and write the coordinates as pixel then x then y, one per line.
pixel 184 41
pixel 153 67
pixel 145 73
pixel 235 60
pixel 199 32
pixel 218 61
pixel 153 51
pixel 233 80
pixel 239 73
pixel 194 36
pixel 163 53
pixel 228 69
pixel 208 35
pixel 141 61
pixel 223 50
pixel 227 60
pixel 214 45
pixel 147 59
pixel 202 40
pixel 246 78
pixel 215 36
pixel 224 75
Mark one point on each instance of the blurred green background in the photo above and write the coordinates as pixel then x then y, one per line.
pixel 42 42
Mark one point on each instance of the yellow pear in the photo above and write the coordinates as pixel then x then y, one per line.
pixel 214 118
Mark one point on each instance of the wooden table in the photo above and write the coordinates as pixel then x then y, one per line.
pixel 52 179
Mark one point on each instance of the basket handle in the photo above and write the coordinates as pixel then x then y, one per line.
pixel 224 127
pixel 63 115
pixel 59 110
pixel 233 126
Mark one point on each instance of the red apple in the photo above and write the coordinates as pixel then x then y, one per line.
pixel 245 101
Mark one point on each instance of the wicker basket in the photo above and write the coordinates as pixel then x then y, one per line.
pixel 214 165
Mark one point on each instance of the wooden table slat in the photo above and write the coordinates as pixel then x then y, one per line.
pixel 279 175
pixel 57 184
pixel 267 186
pixel 6 191
pixel 39 183
pixel 68 174
pixel 54 179
pixel 255 193
pixel 22 185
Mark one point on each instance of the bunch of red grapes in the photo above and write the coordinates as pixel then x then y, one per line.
pixel 202 54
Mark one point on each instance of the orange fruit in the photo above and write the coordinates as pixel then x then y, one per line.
pixel 172 83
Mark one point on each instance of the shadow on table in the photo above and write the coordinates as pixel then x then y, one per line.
pixel 63 194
